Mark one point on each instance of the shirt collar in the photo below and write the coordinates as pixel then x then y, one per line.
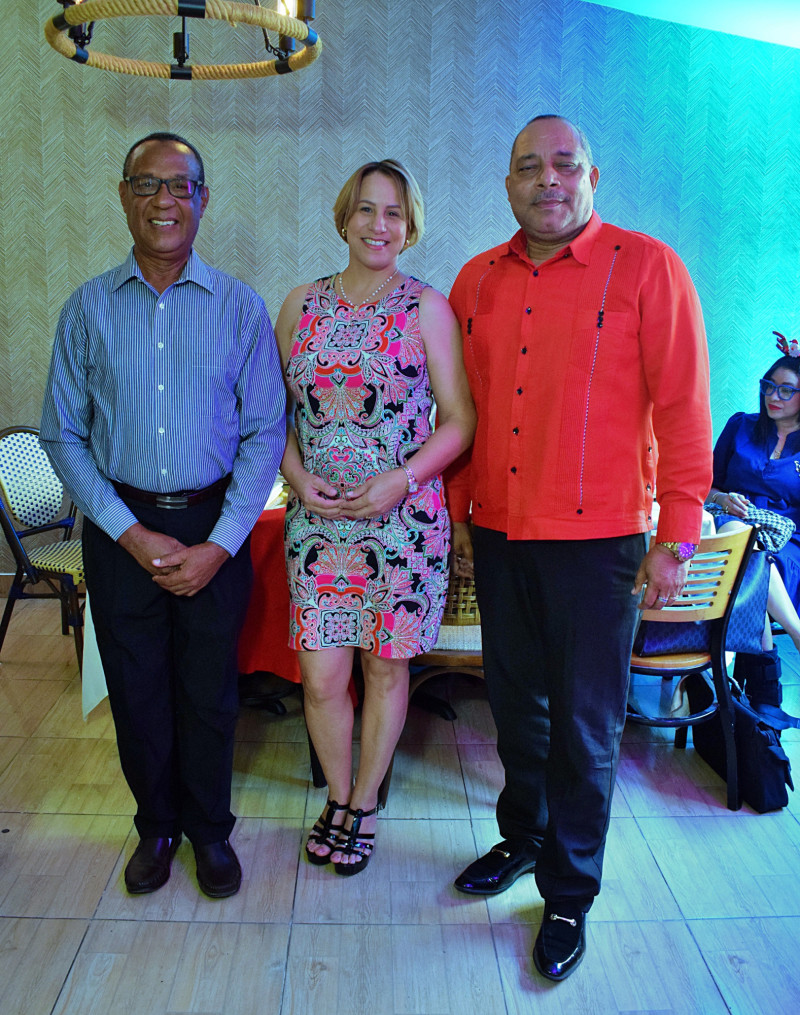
pixel 580 248
pixel 194 270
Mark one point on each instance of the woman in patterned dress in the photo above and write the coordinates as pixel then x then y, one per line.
pixel 367 533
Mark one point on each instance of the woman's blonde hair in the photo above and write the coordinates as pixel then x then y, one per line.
pixel 407 188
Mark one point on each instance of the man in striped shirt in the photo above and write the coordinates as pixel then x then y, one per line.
pixel 164 417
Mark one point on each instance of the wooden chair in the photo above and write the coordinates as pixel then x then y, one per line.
pixel 32 504
pixel 715 574
pixel 457 650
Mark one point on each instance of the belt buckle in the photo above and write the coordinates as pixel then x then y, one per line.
pixel 170 503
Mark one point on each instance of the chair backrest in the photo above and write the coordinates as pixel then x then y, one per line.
pixel 715 573
pixel 461 605
pixel 32 493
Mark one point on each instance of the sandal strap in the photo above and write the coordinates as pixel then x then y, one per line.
pixel 358 813
pixel 325 832
pixel 358 847
pixel 354 842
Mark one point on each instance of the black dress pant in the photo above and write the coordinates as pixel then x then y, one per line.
pixel 557 618
pixel 170 666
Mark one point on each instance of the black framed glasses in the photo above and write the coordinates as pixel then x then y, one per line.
pixel 149 186
pixel 784 391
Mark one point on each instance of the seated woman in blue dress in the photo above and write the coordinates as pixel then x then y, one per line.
pixel 757 463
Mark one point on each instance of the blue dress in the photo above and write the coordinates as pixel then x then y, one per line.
pixel 742 463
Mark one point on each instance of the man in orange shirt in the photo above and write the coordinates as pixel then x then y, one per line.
pixel 584 344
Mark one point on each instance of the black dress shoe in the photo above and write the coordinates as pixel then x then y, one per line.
pixel 499 868
pixel 148 869
pixel 561 941
pixel 218 872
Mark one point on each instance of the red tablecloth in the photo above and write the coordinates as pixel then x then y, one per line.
pixel 263 645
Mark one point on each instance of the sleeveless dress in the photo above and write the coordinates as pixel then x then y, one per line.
pixel 363 406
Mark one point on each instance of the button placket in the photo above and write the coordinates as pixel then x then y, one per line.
pixel 522 368
pixel 161 325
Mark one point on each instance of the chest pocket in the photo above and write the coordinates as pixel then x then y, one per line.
pixel 603 350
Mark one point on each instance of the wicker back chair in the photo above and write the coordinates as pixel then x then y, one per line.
pixel 32 503
pixel 458 648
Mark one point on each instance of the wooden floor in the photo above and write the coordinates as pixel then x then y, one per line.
pixel 700 911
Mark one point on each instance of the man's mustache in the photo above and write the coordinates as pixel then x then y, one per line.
pixel 549 196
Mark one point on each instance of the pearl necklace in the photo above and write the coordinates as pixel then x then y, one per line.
pixel 361 304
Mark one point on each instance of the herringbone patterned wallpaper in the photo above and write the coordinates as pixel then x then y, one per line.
pixel 696 135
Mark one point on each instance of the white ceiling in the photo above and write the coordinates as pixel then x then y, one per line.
pixel 769 20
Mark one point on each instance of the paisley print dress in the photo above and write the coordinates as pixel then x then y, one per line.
pixel 363 405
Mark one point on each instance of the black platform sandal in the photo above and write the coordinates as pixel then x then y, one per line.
pixel 325 833
pixel 351 843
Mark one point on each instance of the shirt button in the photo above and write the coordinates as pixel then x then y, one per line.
pixel 161 429
pixel 513 468
pixel 161 387
pixel 160 345
pixel 524 350
pixel 515 430
pixel 160 306
pixel 527 310
pixel 536 274
pixel 519 391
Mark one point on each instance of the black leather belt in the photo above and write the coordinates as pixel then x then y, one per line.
pixel 172 501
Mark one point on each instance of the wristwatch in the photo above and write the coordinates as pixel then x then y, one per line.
pixel 680 551
pixel 413 485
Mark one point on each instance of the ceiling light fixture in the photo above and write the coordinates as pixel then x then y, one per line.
pixel 70 32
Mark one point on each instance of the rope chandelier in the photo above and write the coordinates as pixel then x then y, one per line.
pixel 69 33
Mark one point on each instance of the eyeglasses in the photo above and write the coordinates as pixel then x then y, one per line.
pixel 149 186
pixel 785 391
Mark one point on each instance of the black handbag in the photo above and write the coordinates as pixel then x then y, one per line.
pixel 763 768
pixel 745 624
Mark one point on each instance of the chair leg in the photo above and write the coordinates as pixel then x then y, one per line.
pixel 727 720
pixel 14 593
pixel 383 789
pixel 71 608
pixel 429 702
pixel 317 775
pixel 6 618
pixel 435 705
pixel 77 632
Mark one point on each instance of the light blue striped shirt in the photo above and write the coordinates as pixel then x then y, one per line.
pixel 165 392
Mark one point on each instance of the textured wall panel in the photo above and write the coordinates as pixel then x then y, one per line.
pixel 695 134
